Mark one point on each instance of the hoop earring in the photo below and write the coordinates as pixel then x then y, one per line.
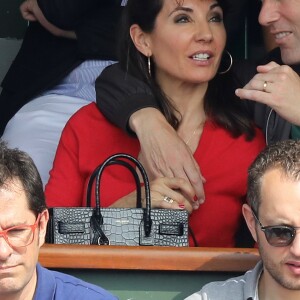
pixel 149 65
pixel 230 64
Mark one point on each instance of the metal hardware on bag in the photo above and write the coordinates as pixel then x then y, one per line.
pixel 102 242
pixel 122 221
pixel 99 236
pixel 145 240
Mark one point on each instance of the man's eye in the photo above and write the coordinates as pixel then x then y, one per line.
pixel 17 231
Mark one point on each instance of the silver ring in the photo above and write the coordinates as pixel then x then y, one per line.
pixel 265 86
pixel 168 199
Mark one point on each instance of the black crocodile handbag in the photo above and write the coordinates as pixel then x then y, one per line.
pixel 118 226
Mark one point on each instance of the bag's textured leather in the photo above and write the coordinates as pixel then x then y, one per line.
pixel 121 226
pixel 118 226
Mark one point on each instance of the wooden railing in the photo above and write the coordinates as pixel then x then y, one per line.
pixel 148 258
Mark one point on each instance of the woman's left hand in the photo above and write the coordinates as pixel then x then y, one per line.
pixel 173 193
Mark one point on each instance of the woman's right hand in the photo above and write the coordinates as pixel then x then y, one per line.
pixel 163 152
pixel 172 193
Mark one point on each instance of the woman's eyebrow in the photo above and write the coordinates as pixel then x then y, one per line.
pixel 178 8
pixel 190 10
pixel 215 5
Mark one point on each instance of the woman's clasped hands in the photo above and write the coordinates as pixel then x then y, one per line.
pixel 173 193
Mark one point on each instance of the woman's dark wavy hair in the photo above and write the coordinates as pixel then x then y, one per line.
pixel 220 103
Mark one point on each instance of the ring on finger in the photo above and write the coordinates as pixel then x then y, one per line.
pixel 168 199
pixel 265 86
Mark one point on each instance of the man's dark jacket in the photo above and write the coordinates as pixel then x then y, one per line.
pixel 119 95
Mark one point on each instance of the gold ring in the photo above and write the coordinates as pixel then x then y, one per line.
pixel 168 199
pixel 265 86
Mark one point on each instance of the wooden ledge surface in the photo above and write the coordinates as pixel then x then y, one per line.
pixel 148 258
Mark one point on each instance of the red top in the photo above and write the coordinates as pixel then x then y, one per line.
pixel 88 139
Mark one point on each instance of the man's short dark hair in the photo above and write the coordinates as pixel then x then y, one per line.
pixel 16 164
pixel 284 156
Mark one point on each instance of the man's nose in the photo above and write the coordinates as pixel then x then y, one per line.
pixel 5 249
pixel 269 12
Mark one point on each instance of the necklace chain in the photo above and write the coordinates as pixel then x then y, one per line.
pixel 189 139
pixel 194 132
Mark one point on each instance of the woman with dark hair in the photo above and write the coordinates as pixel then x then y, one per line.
pixel 177 47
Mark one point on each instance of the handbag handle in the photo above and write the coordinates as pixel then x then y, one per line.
pixel 130 168
pixel 119 159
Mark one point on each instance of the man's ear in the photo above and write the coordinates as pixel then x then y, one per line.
pixel 250 220
pixel 141 40
pixel 43 226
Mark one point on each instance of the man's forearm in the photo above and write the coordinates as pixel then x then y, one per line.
pixel 119 95
pixel 31 12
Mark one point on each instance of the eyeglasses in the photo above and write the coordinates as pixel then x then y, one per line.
pixel 278 235
pixel 21 235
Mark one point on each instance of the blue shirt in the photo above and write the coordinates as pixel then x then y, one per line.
pixel 52 285
pixel 80 82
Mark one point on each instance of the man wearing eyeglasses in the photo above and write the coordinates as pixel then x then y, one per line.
pixel 23 222
pixel 273 217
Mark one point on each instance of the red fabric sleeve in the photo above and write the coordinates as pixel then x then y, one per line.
pixel 65 186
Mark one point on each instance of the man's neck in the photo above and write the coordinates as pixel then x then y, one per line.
pixel 27 293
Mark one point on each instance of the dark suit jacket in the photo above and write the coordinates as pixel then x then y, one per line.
pixel 44 59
